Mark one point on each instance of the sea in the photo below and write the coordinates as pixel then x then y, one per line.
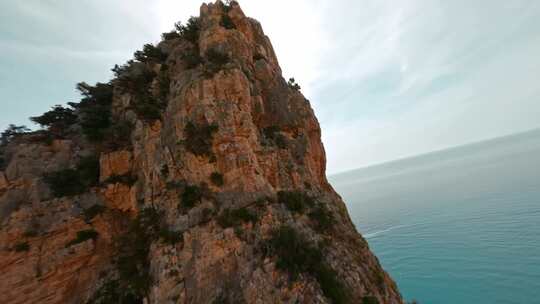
pixel 460 225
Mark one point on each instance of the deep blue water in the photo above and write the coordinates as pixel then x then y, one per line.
pixel 455 226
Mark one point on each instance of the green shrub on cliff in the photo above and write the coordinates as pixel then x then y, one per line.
pixel 136 78
pixel 198 138
pixel 217 179
pixel 164 83
pixel 170 237
pixel 232 218
pixel 293 85
pixel 192 58
pixel 170 35
pixel 75 181
pixel 215 60
pixel 227 22
pixel 94 109
pixel 119 135
pixel 150 53
pixel 132 262
pixel 92 212
pixel 190 31
pixel 323 218
pixel 58 115
pixel 110 292
pixel 301 203
pixel 83 236
pixel 132 259
pixel 94 122
pixel 11 133
pixel 296 255
pixel 88 168
pixel 64 182
pixel 273 135
pixel 191 196
pixel 295 201
pixel 20 247
pixel 370 300
pixel 57 120
pixel 148 107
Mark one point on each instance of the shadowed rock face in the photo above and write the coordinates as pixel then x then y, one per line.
pixel 231 136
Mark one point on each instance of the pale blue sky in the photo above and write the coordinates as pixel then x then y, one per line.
pixel 387 79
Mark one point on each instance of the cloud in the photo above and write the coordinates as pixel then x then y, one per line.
pixel 387 79
pixel 49 46
pixel 416 76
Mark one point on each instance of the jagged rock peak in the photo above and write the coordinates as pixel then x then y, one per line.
pixel 196 175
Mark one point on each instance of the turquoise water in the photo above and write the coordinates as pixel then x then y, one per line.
pixel 456 226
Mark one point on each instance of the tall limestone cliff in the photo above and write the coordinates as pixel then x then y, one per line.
pixel 197 175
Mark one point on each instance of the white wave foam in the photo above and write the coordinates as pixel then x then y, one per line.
pixel 374 234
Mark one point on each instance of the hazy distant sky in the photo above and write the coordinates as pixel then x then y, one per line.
pixel 387 79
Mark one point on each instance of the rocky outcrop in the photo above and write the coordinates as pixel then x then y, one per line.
pixel 116 163
pixel 220 197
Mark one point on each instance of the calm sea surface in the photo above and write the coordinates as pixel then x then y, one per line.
pixel 456 226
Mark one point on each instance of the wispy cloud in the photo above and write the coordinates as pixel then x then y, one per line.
pixel 415 76
pixel 387 79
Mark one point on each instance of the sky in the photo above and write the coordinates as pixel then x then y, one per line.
pixel 387 79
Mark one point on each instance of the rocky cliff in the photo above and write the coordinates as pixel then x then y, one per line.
pixel 196 175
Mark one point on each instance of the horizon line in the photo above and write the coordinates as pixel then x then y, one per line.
pixel 399 159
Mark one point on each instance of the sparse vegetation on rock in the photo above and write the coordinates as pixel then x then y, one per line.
pixel 150 53
pixel 272 135
pixel 217 179
pixel 192 58
pixel 298 256
pixel 132 280
pixel 190 31
pixel 57 120
pixel 293 85
pixel 215 60
pixel 147 106
pixel 227 22
pixel 22 246
pixel 170 35
pixel 64 182
pixel 296 201
pixel 110 292
pixel 94 109
pixel 322 217
pixel 301 203
pixel 119 135
pixel 83 236
pixel 198 138
pixel 11 133
pixel 75 181
pixel 191 196
pixel 370 300
pixel 92 212
pixel 136 78
pixel 233 218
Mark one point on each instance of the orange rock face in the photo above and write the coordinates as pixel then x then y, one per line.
pixel 115 164
pixel 231 134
